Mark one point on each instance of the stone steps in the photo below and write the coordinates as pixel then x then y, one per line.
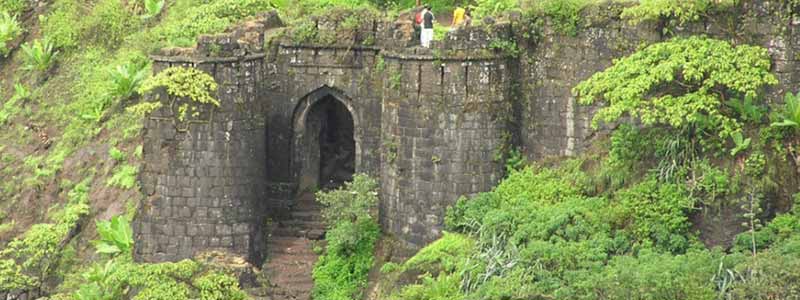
pixel 291 257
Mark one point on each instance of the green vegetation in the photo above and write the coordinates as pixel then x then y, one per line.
pixel 703 72
pixel 681 11
pixel 9 30
pixel 790 115
pixel 116 236
pixel 26 261
pixel 14 7
pixel 184 83
pixel 39 56
pixel 350 213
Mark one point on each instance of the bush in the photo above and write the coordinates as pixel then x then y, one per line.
pixel 127 78
pixel 657 214
pixel 39 56
pixel 353 202
pixel 218 286
pixel 62 25
pixel 188 83
pixel 694 70
pixel 341 273
pixel 109 24
pixel 790 115
pixel 566 14
pixel 14 7
pixel 116 236
pixel 9 30
pixel 210 17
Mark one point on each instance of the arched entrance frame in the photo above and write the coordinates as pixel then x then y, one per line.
pixel 300 153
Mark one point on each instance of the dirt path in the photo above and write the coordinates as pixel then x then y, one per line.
pixel 291 256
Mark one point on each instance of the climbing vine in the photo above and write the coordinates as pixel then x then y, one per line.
pixel 681 82
pixel 184 83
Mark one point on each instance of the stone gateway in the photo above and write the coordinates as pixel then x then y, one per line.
pixel 431 124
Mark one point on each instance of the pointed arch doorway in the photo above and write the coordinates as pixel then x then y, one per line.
pixel 326 145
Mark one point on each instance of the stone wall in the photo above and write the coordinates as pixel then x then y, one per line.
pixel 204 177
pixel 554 124
pixel 443 122
pixel 429 122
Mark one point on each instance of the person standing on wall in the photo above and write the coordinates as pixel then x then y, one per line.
pixel 458 17
pixel 426 36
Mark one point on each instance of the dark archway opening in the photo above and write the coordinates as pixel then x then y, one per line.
pixel 330 144
pixel 337 146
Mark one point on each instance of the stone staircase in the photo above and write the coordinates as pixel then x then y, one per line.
pixel 291 256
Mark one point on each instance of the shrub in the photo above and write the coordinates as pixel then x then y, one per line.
pixel 9 30
pixel 116 236
pixel 124 177
pixel 218 286
pixel 341 273
pixel 657 214
pixel 208 17
pixel 109 24
pixel 790 115
pixel 488 8
pixel 116 154
pixel 39 56
pixel 696 70
pixel 127 78
pixel 153 8
pixel 681 11
pixel 566 14
pixel 62 26
pixel 189 83
pixel 353 202
pixel 14 7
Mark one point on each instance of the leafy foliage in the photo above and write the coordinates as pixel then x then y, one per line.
pixel 184 83
pixel 61 25
pixel 14 7
pixel 124 177
pixel 341 273
pixel 116 236
pixel 9 30
pixel 218 286
pixel 488 8
pixel 206 17
pixel 680 83
pixel 790 113
pixel 153 8
pixel 128 78
pixel 352 202
pixel 680 10
pixel 39 55
pixel 564 13
pixel 25 261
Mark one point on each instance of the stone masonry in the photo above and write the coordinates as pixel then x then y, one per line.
pixel 432 124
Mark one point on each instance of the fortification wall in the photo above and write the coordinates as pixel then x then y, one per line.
pixel 430 123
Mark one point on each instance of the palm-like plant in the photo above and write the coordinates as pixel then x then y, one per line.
pixel 9 30
pixel 116 236
pixel 39 55
pixel 127 78
pixel 791 112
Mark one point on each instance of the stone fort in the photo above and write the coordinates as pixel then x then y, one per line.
pixel 431 124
